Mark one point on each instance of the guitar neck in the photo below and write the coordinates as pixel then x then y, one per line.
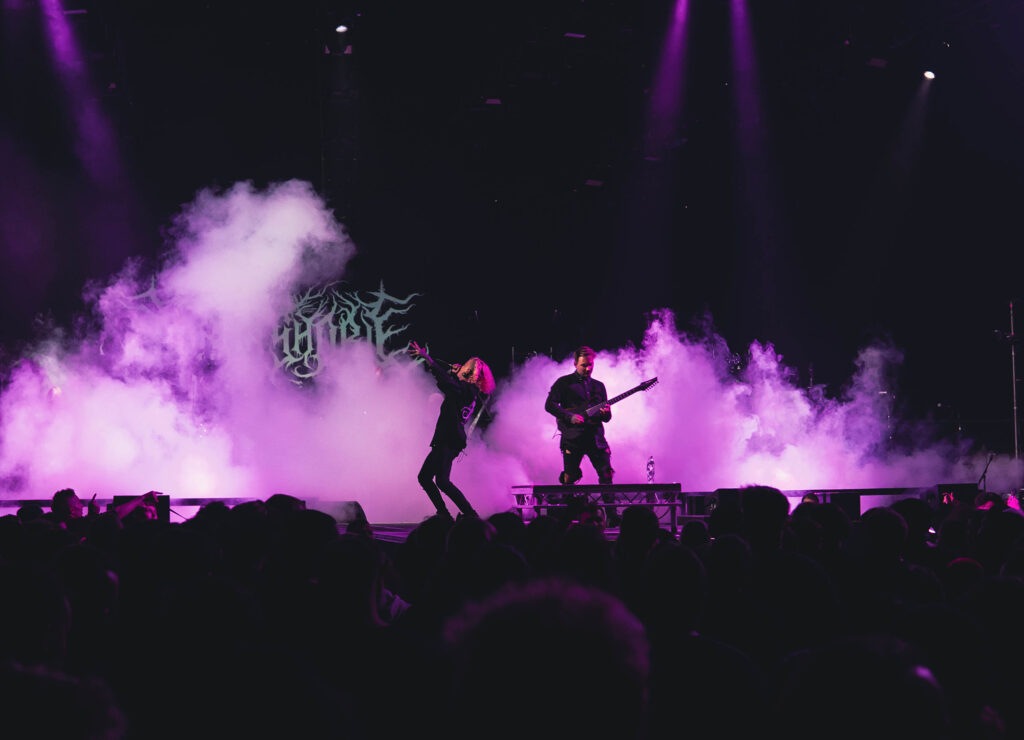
pixel 593 410
pixel 619 397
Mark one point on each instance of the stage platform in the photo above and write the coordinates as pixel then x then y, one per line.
pixel 673 505
pixel 666 499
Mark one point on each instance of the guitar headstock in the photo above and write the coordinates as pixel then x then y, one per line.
pixel 648 383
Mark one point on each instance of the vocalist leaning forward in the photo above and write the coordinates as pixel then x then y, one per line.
pixel 464 387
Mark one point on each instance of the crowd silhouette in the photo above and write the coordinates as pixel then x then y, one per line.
pixel 270 619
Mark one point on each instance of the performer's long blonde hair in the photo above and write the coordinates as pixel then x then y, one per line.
pixel 476 371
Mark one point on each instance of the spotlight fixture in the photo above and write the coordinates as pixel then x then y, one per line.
pixel 929 75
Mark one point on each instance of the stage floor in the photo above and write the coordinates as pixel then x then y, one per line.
pixel 698 504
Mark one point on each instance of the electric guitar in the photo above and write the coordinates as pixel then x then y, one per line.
pixel 594 410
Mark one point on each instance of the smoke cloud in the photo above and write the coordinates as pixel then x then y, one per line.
pixel 172 385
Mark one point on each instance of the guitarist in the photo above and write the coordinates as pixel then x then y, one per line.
pixel 582 435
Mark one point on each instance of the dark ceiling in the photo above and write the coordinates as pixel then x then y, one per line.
pixel 492 156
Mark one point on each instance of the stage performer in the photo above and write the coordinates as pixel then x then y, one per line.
pixel 582 434
pixel 466 388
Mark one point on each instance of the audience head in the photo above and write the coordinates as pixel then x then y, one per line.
pixel 725 515
pixel 918 515
pixel 765 511
pixel 574 647
pixel 30 512
pixel 640 524
pixel 584 554
pixel 695 535
pixel 861 686
pixel 674 590
pixel 509 529
pixel 467 536
pixel 592 513
pixel 56 704
pixel 14 536
pixel 879 536
pixel 66 505
pixel 282 505
pixel 35 621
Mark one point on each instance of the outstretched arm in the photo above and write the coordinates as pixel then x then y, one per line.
pixel 417 351
pixel 146 500
pixel 444 375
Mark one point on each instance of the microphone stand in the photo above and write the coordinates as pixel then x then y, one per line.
pixel 983 480
pixel 1011 339
pixel 1013 377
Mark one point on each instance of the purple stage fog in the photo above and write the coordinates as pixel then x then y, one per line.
pixel 179 387
pixel 212 263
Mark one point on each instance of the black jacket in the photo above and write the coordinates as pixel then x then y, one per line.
pixel 461 398
pixel 574 394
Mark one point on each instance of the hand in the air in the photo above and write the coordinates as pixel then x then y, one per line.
pixel 415 349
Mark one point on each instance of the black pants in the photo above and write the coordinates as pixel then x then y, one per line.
pixel 600 456
pixel 435 478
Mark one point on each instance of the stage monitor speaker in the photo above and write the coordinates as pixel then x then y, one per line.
pixel 727 498
pixel 163 505
pixel 696 504
pixel 847 501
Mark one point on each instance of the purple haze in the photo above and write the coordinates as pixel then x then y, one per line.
pixel 176 389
